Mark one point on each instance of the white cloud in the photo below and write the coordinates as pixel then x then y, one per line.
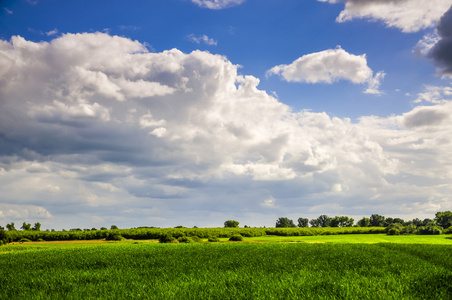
pixel 198 142
pixel 329 66
pixel 217 4
pixel 52 32
pixel 204 38
pixel 406 15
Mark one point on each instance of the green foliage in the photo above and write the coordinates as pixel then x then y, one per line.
pixel 231 223
pixel 113 227
pixel 342 221
pixel 114 237
pixel 303 222
pixel 377 220
pixel 284 222
pixel 166 238
pixel 236 238
pixel 213 239
pixel 10 226
pixel 321 221
pixel 430 229
pixel 3 237
pixel 23 240
pixel 444 219
pixel 312 231
pixel 364 222
pixel 37 226
pixel 185 239
pixel 26 226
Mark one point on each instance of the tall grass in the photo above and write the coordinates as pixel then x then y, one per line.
pixel 228 271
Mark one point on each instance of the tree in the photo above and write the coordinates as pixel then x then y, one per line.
pixel 444 219
pixel 114 227
pixel 321 221
pixel 37 226
pixel 284 222
pixel 377 220
pixel 417 222
pixel 26 226
pixel 303 222
pixel 342 221
pixel 3 237
pixel 231 223
pixel 364 222
pixel 10 226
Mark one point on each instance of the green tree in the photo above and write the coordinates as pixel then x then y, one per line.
pixel 342 221
pixel 364 222
pixel 26 226
pixel 37 227
pixel 284 222
pixel 321 221
pixel 303 222
pixel 231 223
pixel 3 237
pixel 444 219
pixel 417 222
pixel 114 227
pixel 377 220
pixel 10 226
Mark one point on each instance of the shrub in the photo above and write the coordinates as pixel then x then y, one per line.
pixel 196 239
pixel 236 238
pixel 185 239
pixel 448 230
pixel 393 231
pixel 213 239
pixel 114 237
pixel 166 238
pixel 22 240
pixel 41 240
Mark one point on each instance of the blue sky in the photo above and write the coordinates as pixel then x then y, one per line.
pixel 192 112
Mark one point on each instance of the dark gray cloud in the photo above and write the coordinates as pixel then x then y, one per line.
pixel 442 51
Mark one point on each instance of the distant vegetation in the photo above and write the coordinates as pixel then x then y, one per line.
pixel 323 225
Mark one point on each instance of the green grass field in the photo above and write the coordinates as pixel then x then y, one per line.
pixel 326 267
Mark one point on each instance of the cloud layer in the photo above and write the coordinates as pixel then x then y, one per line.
pixel 330 66
pixel 406 15
pixel 95 128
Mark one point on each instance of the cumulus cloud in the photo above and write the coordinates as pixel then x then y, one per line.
pixel 441 52
pixel 94 128
pixel 330 66
pixel 406 15
pixel 217 4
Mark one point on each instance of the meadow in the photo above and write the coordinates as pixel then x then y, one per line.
pixel 280 267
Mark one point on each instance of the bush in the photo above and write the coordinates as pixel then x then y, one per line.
pixel 166 238
pixel 394 231
pixel 41 240
pixel 213 239
pixel 114 237
pixel 185 239
pixel 22 240
pixel 236 238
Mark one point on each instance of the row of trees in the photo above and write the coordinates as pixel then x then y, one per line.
pixel 25 226
pixel 442 219
pixel 37 227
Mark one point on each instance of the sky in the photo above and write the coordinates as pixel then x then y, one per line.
pixel 193 112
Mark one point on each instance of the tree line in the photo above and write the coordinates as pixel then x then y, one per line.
pixel 441 222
